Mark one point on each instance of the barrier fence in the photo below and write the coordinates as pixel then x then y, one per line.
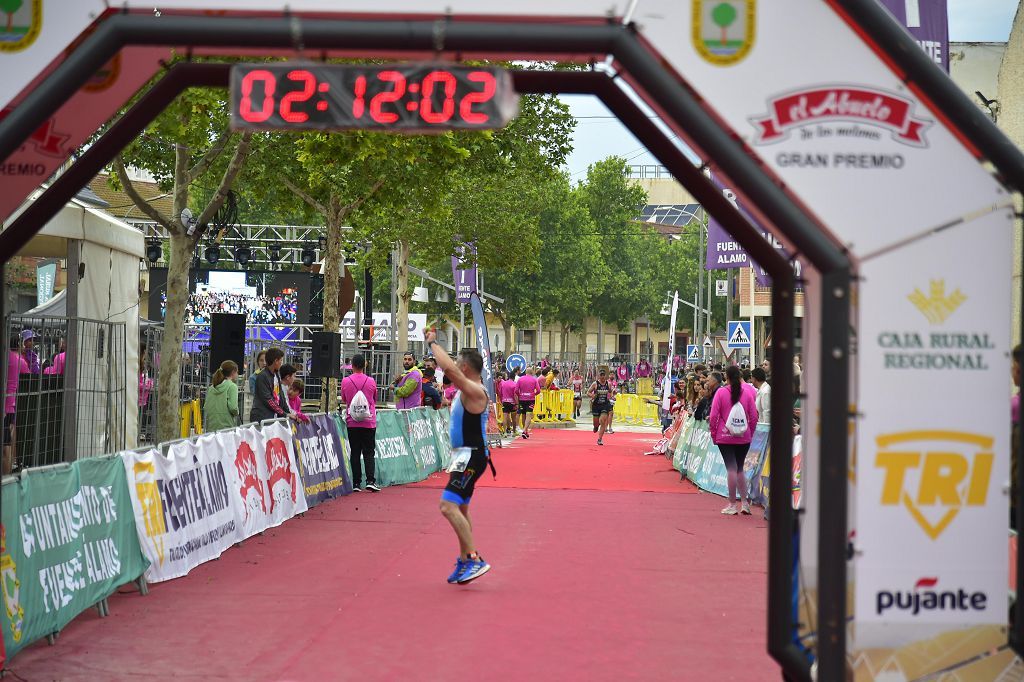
pixel 73 533
pixel 697 458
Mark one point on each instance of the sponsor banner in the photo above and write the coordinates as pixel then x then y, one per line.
pixel 422 442
pixel 841 130
pixel 930 479
pixel 81 116
pixel 67 541
pixel 928 22
pixel 382 326
pixel 324 467
pixel 696 457
pixel 395 462
pixel 666 385
pixel 483 344
pixel 725 253
pixel 263 475
pixel 36 33
pixel 463 272
pixel 185 511
pixel 46 277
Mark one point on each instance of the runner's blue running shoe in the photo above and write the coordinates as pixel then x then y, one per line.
pixel 460 566
pixel 474 569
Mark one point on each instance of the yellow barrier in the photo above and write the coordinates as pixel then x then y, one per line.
pixel 631 408
pixel 191 418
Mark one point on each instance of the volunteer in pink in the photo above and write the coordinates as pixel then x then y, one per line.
pixel 723 423
pixel 529 387
pixel 508 395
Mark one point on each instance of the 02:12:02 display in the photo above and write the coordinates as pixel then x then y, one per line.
pixel 340 97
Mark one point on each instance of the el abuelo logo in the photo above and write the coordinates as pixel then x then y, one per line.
pixel 925 597
pixel 837 114
pixel 952 470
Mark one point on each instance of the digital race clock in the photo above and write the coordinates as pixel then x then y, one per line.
pixel 399 97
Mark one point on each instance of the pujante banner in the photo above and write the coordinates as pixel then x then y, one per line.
pixel 67 541
pixel 322 460
pixel 931 496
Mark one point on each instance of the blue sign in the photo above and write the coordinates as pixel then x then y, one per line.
pixel 515 361
pixel 738 334
pixel 46 275
pixel 692 353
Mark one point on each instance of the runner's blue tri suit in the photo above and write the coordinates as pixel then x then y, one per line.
pixel 467 430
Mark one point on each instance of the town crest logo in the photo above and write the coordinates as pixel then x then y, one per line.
pixel 20 22
pixel 724 30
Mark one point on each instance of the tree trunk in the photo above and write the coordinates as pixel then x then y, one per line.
pixel 404 297
pixel 332 287
pixel 174 331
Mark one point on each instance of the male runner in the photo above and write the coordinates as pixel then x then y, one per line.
pixel 467 429
pixel 601 394
pixel 529 387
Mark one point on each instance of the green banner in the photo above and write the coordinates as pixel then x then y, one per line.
pixel 69 540
pixel 346 447
pixel 394 457
pixel 439 419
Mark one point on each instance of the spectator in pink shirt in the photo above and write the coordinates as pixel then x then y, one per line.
pixel 362 434
pixel 295 400
pixel 58 360
pixel 734 446
pixel 16 366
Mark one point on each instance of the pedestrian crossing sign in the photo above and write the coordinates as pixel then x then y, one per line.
pixel 738 333
pixel 692 353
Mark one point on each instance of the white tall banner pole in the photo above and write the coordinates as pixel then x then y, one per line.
pixel 753 299
pixel 671 351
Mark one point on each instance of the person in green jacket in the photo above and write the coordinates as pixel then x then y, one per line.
pixel 221 408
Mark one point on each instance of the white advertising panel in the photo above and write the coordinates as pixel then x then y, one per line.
pixel 263 475
pixel 210 493
pixel 86 112
pixel 933 438
pixel 185 511
pixel 36 33
pixel 840 129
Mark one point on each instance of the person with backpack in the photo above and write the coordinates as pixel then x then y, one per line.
pixel 732 422
pixel 359 394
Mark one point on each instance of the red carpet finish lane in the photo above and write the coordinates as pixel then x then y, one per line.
pixel 594 578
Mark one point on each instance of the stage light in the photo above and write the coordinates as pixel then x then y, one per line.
pixel 153 250
pixel 308 255
pixel 242 254
pixel 274 252
pixel 212 254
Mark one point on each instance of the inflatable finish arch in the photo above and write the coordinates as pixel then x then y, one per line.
pixel 838 136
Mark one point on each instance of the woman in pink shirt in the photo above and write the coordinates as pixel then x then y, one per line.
pixel 16 366
pixel 734 446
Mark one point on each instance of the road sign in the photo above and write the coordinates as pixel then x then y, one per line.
pixel 721 287
pixel 739 334
pixel 725 347
pixel 692 352
pixel 707 342
pixel 515 360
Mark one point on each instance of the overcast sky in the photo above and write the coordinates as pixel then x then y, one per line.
pixel 599 134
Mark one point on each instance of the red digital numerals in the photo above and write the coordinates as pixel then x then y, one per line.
pixel 389 90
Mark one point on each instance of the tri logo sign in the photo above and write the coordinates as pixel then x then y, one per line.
pixel 934 474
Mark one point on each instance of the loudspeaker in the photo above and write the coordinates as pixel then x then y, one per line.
pixel 227 340
pixel 326 360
